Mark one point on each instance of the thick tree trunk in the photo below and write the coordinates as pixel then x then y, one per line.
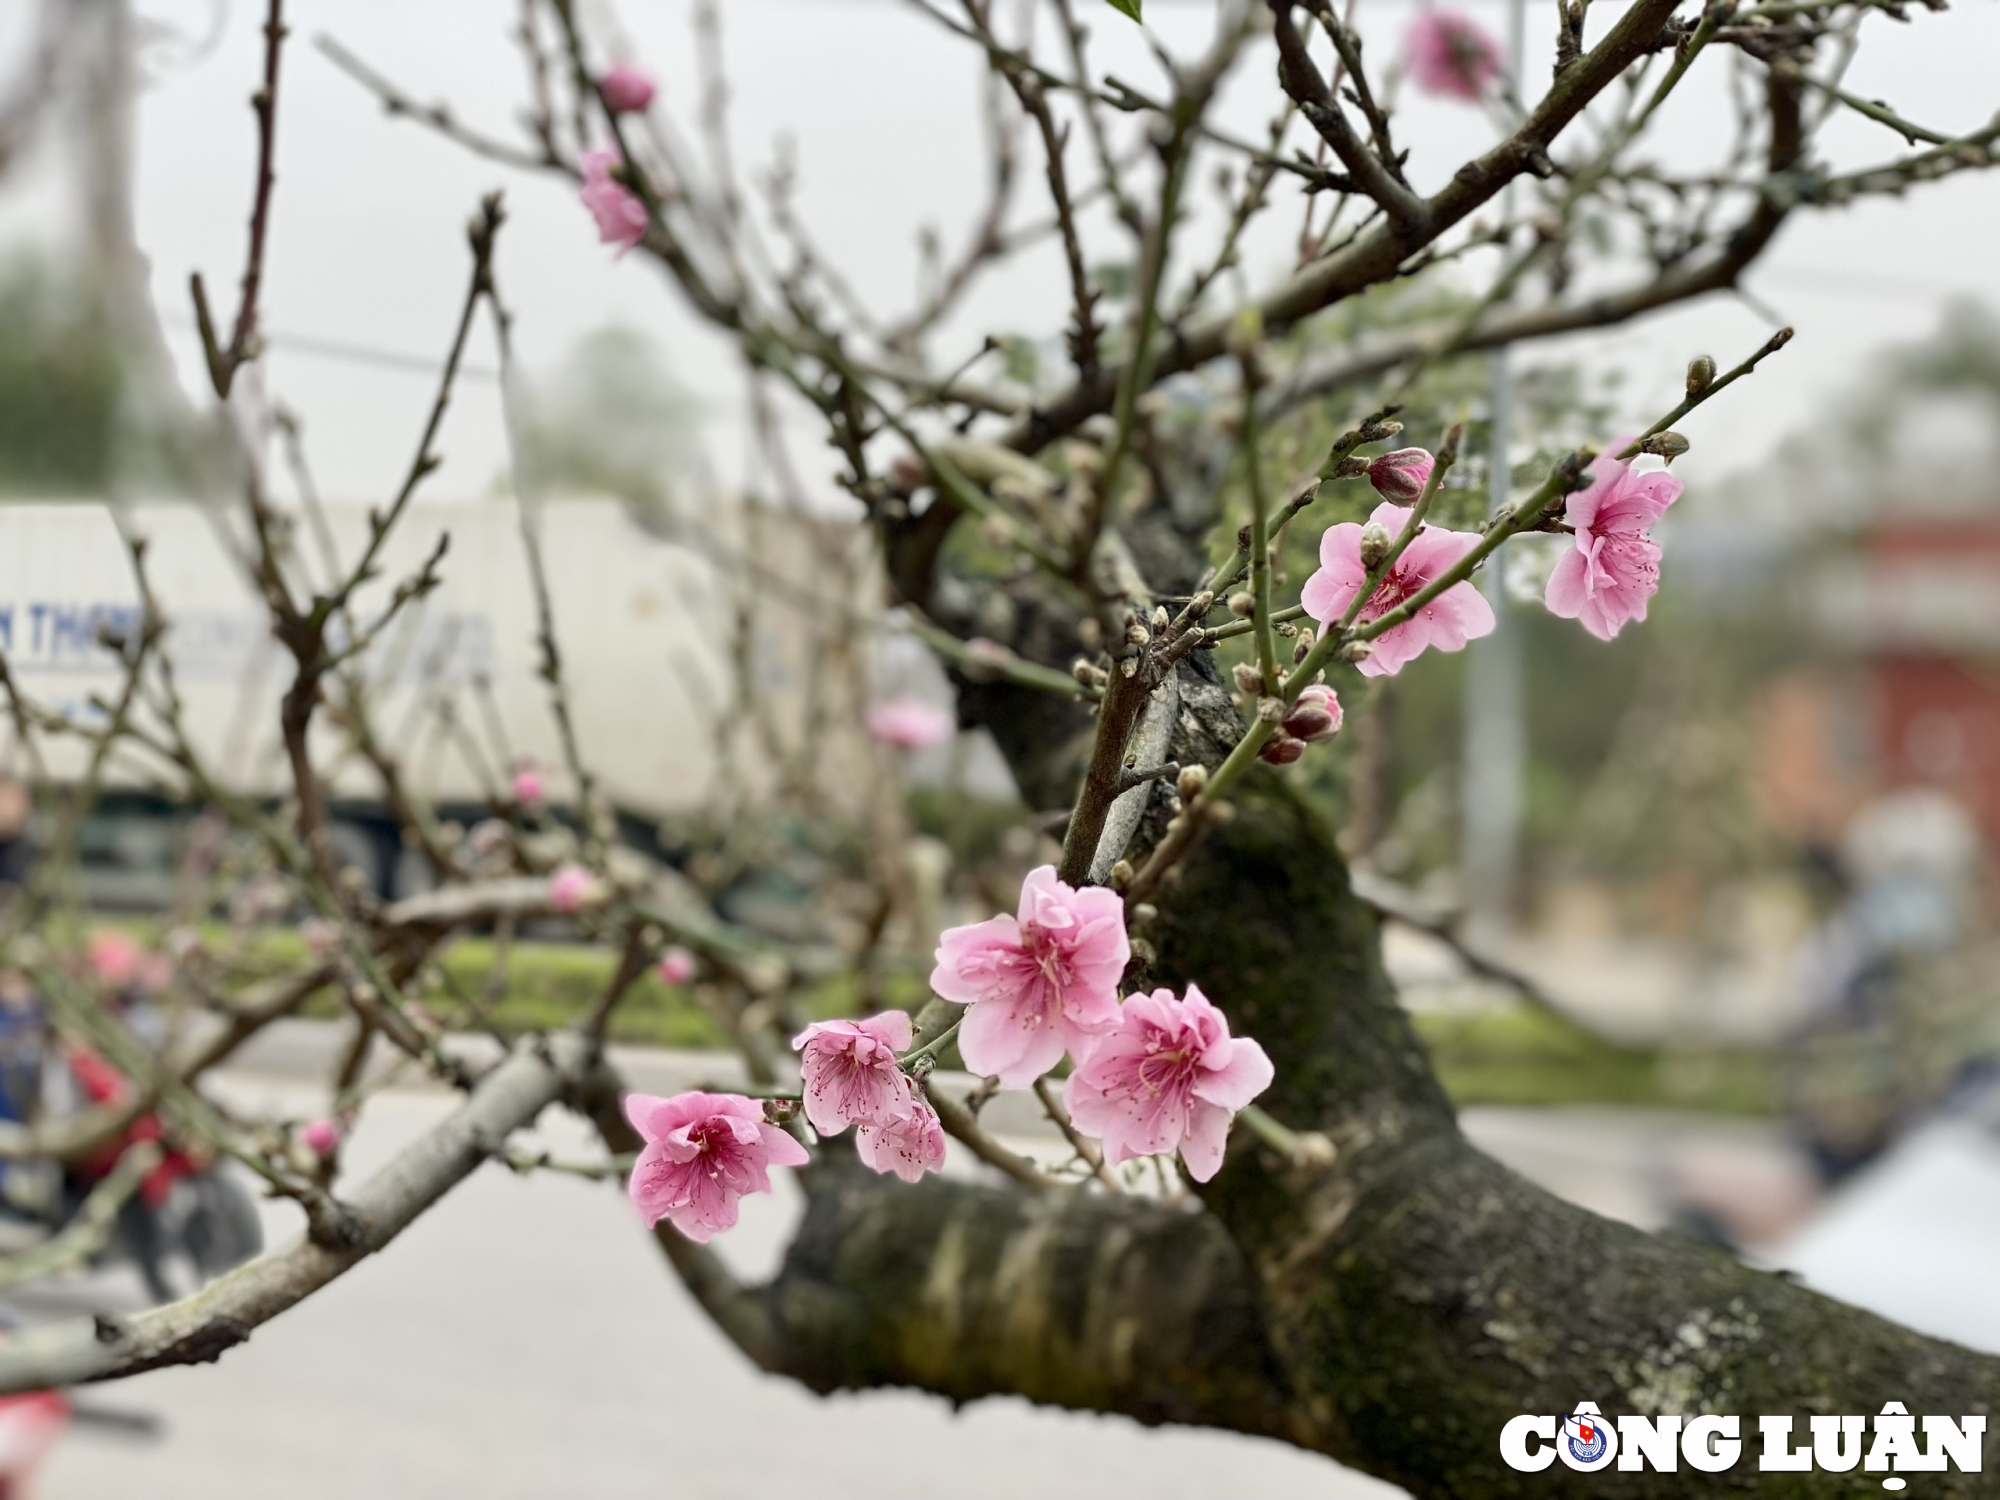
pixel 1392 1309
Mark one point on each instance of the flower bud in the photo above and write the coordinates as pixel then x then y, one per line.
pixel 677 966
pixel 1669 445
pixel 1271 710
pixel 1375 544
pixel 908 473
pixel 1401 476
pixel 1304 648
pixel 1248 678
pixel 529 788
pixel 1201 604
pixel 321 1137
pixel 1281 749
pixel 1701 374
pixel 1190 782
pixel 626 89
pixel 1242 606
pixel 1315 716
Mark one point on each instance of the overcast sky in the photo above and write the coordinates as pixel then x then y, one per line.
pixel 884 109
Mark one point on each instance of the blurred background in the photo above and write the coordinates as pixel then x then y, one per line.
pixel 1715 952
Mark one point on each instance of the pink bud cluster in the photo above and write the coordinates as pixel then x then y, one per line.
pixel 1315 716
pixel 1155 1074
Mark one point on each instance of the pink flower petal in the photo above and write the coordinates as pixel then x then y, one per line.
pixel 1206 1141
pixel 1246 1075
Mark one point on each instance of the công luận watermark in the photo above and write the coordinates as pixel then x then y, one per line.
pixel 1587 1441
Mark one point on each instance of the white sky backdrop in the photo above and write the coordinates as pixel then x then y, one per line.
pixel 884 109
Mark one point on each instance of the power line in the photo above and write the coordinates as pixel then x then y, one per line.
pixel 360 354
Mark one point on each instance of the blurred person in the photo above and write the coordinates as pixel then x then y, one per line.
pixel 1880 1039
pixel 17 854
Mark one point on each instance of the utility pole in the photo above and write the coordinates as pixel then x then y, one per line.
pixel 103 133
pixel 1494 752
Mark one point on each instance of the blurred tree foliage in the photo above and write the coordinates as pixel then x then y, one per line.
pixel 1643 752
pixel 87 406
pixel 610 419
pixel 61 378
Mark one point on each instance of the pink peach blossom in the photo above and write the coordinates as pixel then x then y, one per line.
pixel 1457 615
pixel 1452 55
pixel 626 89
pixel 1402 475
pixel 1170 1078
pixel 1614 568
pixel 569 887
pixel 851 1074
pixel 321 1137
pixel 910 723
pixel 620 216
pixel 703 1152
pixel 909 1147
pixel 677 966
pixel 528 787
pixel 114 959
pixel 1038 983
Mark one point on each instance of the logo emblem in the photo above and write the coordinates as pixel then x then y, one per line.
pixel 1584 1433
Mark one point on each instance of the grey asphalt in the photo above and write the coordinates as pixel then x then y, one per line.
pixel 525 1340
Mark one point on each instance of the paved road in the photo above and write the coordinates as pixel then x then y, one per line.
pixel 525 1340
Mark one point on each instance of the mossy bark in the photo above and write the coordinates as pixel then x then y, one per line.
pixel 1392 1309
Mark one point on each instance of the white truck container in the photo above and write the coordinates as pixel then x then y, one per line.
pixel 641 622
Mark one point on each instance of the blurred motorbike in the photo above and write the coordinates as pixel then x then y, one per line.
pixel 188 1221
